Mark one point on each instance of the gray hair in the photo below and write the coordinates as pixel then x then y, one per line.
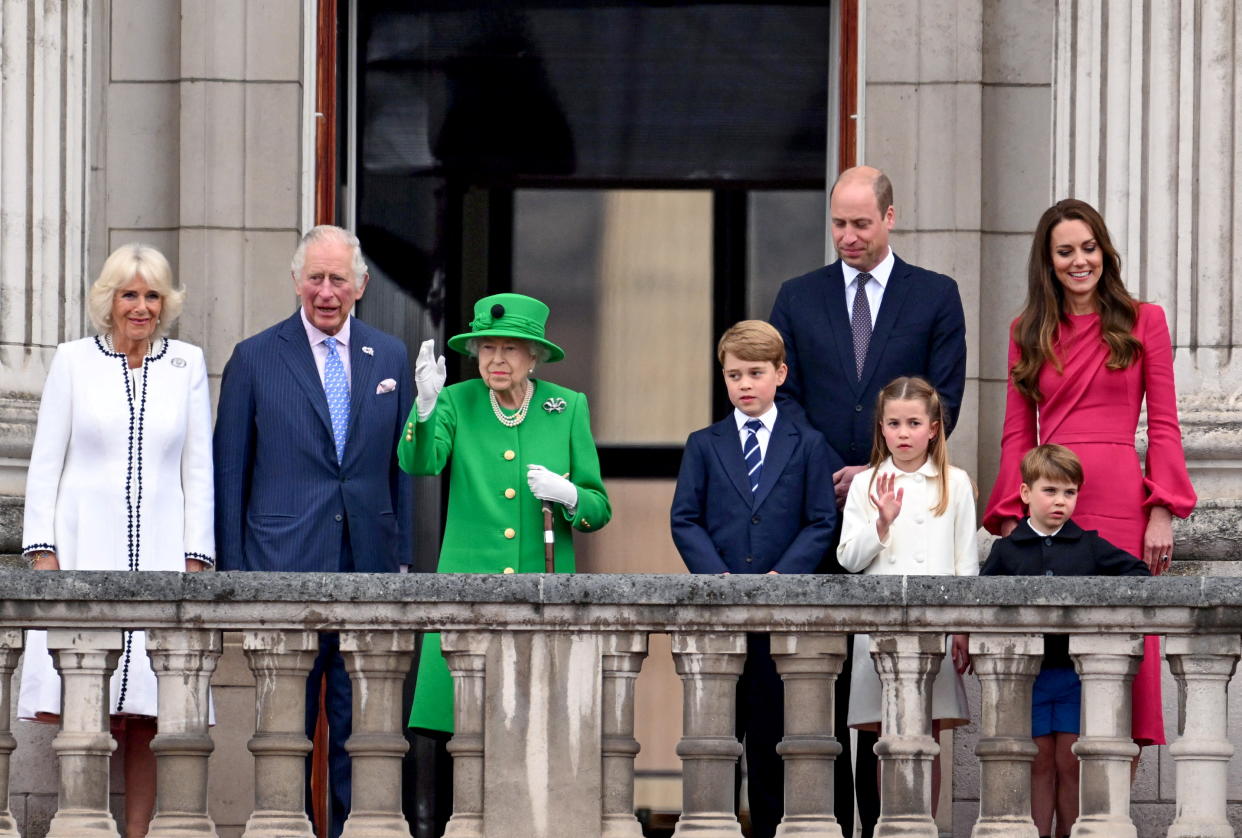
pixel 538 351
pixel 325 233
pixel 125 263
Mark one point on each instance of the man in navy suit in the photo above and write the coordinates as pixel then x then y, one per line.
pixel 754 495
pixel 305 456
pixel 843 347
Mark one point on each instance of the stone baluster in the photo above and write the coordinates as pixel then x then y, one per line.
pixel 623 654
pixel 1007 665
pixel 10 651
pixel 1202 665
pixel 709 666
pixel 183 661
pixel 281 662
pixel 1106 664
pixel 809 665
pixel 465 652
pixel 907 665
pixel 84 745
pixel 378 662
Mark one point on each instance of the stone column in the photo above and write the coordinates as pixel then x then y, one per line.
pixel 1106 664
pixel 709 666
pixel 1143 128
pixel 44 90
pixel 623 654
pixel 1007 665
pixel 465 652
pixel 907 664
pixel 1202 665
pixel 809 665
pixel 281 662
pixel 10 651
pixel 84 745
pixel 183 661
pixel 378 662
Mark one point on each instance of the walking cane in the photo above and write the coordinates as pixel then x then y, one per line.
pixel 549 542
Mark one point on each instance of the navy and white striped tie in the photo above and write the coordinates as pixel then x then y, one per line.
pixel 750 450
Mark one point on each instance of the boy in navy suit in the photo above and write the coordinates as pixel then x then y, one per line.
pixel 754 495
pixel 1048 543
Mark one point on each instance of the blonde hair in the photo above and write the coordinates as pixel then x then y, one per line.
pixel 1051 462
pixel 913 388
pixel 752 340
pixel 122 266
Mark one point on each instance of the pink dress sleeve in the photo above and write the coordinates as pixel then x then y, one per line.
pixel 1166 480
pixel 1018 437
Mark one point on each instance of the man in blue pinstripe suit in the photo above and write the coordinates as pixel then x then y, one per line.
pixel 305 456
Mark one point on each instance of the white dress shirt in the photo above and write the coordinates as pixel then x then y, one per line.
pixel 875 290
pixel 763 434
pixel 320 351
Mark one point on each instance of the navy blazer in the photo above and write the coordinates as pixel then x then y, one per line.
pixel 281 497
pixel 920 330
pixel 786 525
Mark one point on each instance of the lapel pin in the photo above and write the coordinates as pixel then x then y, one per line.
pixel 178 362
pixel 556 405
pixel 366 350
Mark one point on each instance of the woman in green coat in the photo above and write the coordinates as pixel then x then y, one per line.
pixel 497 433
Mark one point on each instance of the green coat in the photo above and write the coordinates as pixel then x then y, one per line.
pixel 495 525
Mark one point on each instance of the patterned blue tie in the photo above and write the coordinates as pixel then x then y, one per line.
pixel 750 450
pixel 336 386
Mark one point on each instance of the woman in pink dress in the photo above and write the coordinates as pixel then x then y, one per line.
pixel 1083 354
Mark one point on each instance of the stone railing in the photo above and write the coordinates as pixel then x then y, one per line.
pixel 544 668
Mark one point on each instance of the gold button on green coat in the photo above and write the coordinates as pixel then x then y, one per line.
pixel 509 455
pixel 510 493
pixel 462 433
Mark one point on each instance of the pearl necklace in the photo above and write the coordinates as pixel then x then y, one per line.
pixel 517 418
pixel 112 348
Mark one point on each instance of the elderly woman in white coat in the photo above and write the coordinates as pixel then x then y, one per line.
pixel 121 479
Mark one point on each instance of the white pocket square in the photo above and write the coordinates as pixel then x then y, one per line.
pixel 386 386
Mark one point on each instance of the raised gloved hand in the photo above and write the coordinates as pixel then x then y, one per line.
pixel 429 378
pixel 547 485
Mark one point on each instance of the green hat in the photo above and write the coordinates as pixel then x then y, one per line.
pixel 508 316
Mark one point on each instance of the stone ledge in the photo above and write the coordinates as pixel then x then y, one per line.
pixel 671 602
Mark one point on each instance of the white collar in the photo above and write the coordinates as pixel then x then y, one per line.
pixel 880 273
pixel 768 418
pixel 1031 523
pixel 316 336
pixel 928 469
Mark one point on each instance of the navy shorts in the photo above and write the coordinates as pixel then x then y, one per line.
pixel 1056 702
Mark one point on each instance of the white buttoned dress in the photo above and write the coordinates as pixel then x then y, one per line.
pixel 120 479
pixel 920 543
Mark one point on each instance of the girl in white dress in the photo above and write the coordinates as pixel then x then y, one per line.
pixel 120 478
pixel 910 514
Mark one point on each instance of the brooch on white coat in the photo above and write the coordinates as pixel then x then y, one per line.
pixel 555 405
pixel 178 362
pixel 366 350
pixel 386 386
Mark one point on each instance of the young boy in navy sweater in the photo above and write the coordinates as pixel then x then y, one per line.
pixel 1049 543
pixel 754 495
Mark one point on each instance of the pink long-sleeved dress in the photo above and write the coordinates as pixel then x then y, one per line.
pixel 1094 412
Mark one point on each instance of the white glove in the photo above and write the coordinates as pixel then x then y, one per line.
pixel 547 485
pixel 429 378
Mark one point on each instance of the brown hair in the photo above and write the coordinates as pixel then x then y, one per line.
pixel 1051 462
pixel 880 184
pixel 914 389
pixel 752 340
pixel 1036 330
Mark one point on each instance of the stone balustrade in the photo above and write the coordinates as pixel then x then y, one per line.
pixel 544 668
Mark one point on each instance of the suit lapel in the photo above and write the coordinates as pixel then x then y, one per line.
pixel 728 447
pixel 781 444
pixel 895 293
pixel 838 320
pixel 361 373
pixel 296 352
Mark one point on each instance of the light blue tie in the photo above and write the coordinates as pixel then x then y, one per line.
pixel 336 386
pixel 754 458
